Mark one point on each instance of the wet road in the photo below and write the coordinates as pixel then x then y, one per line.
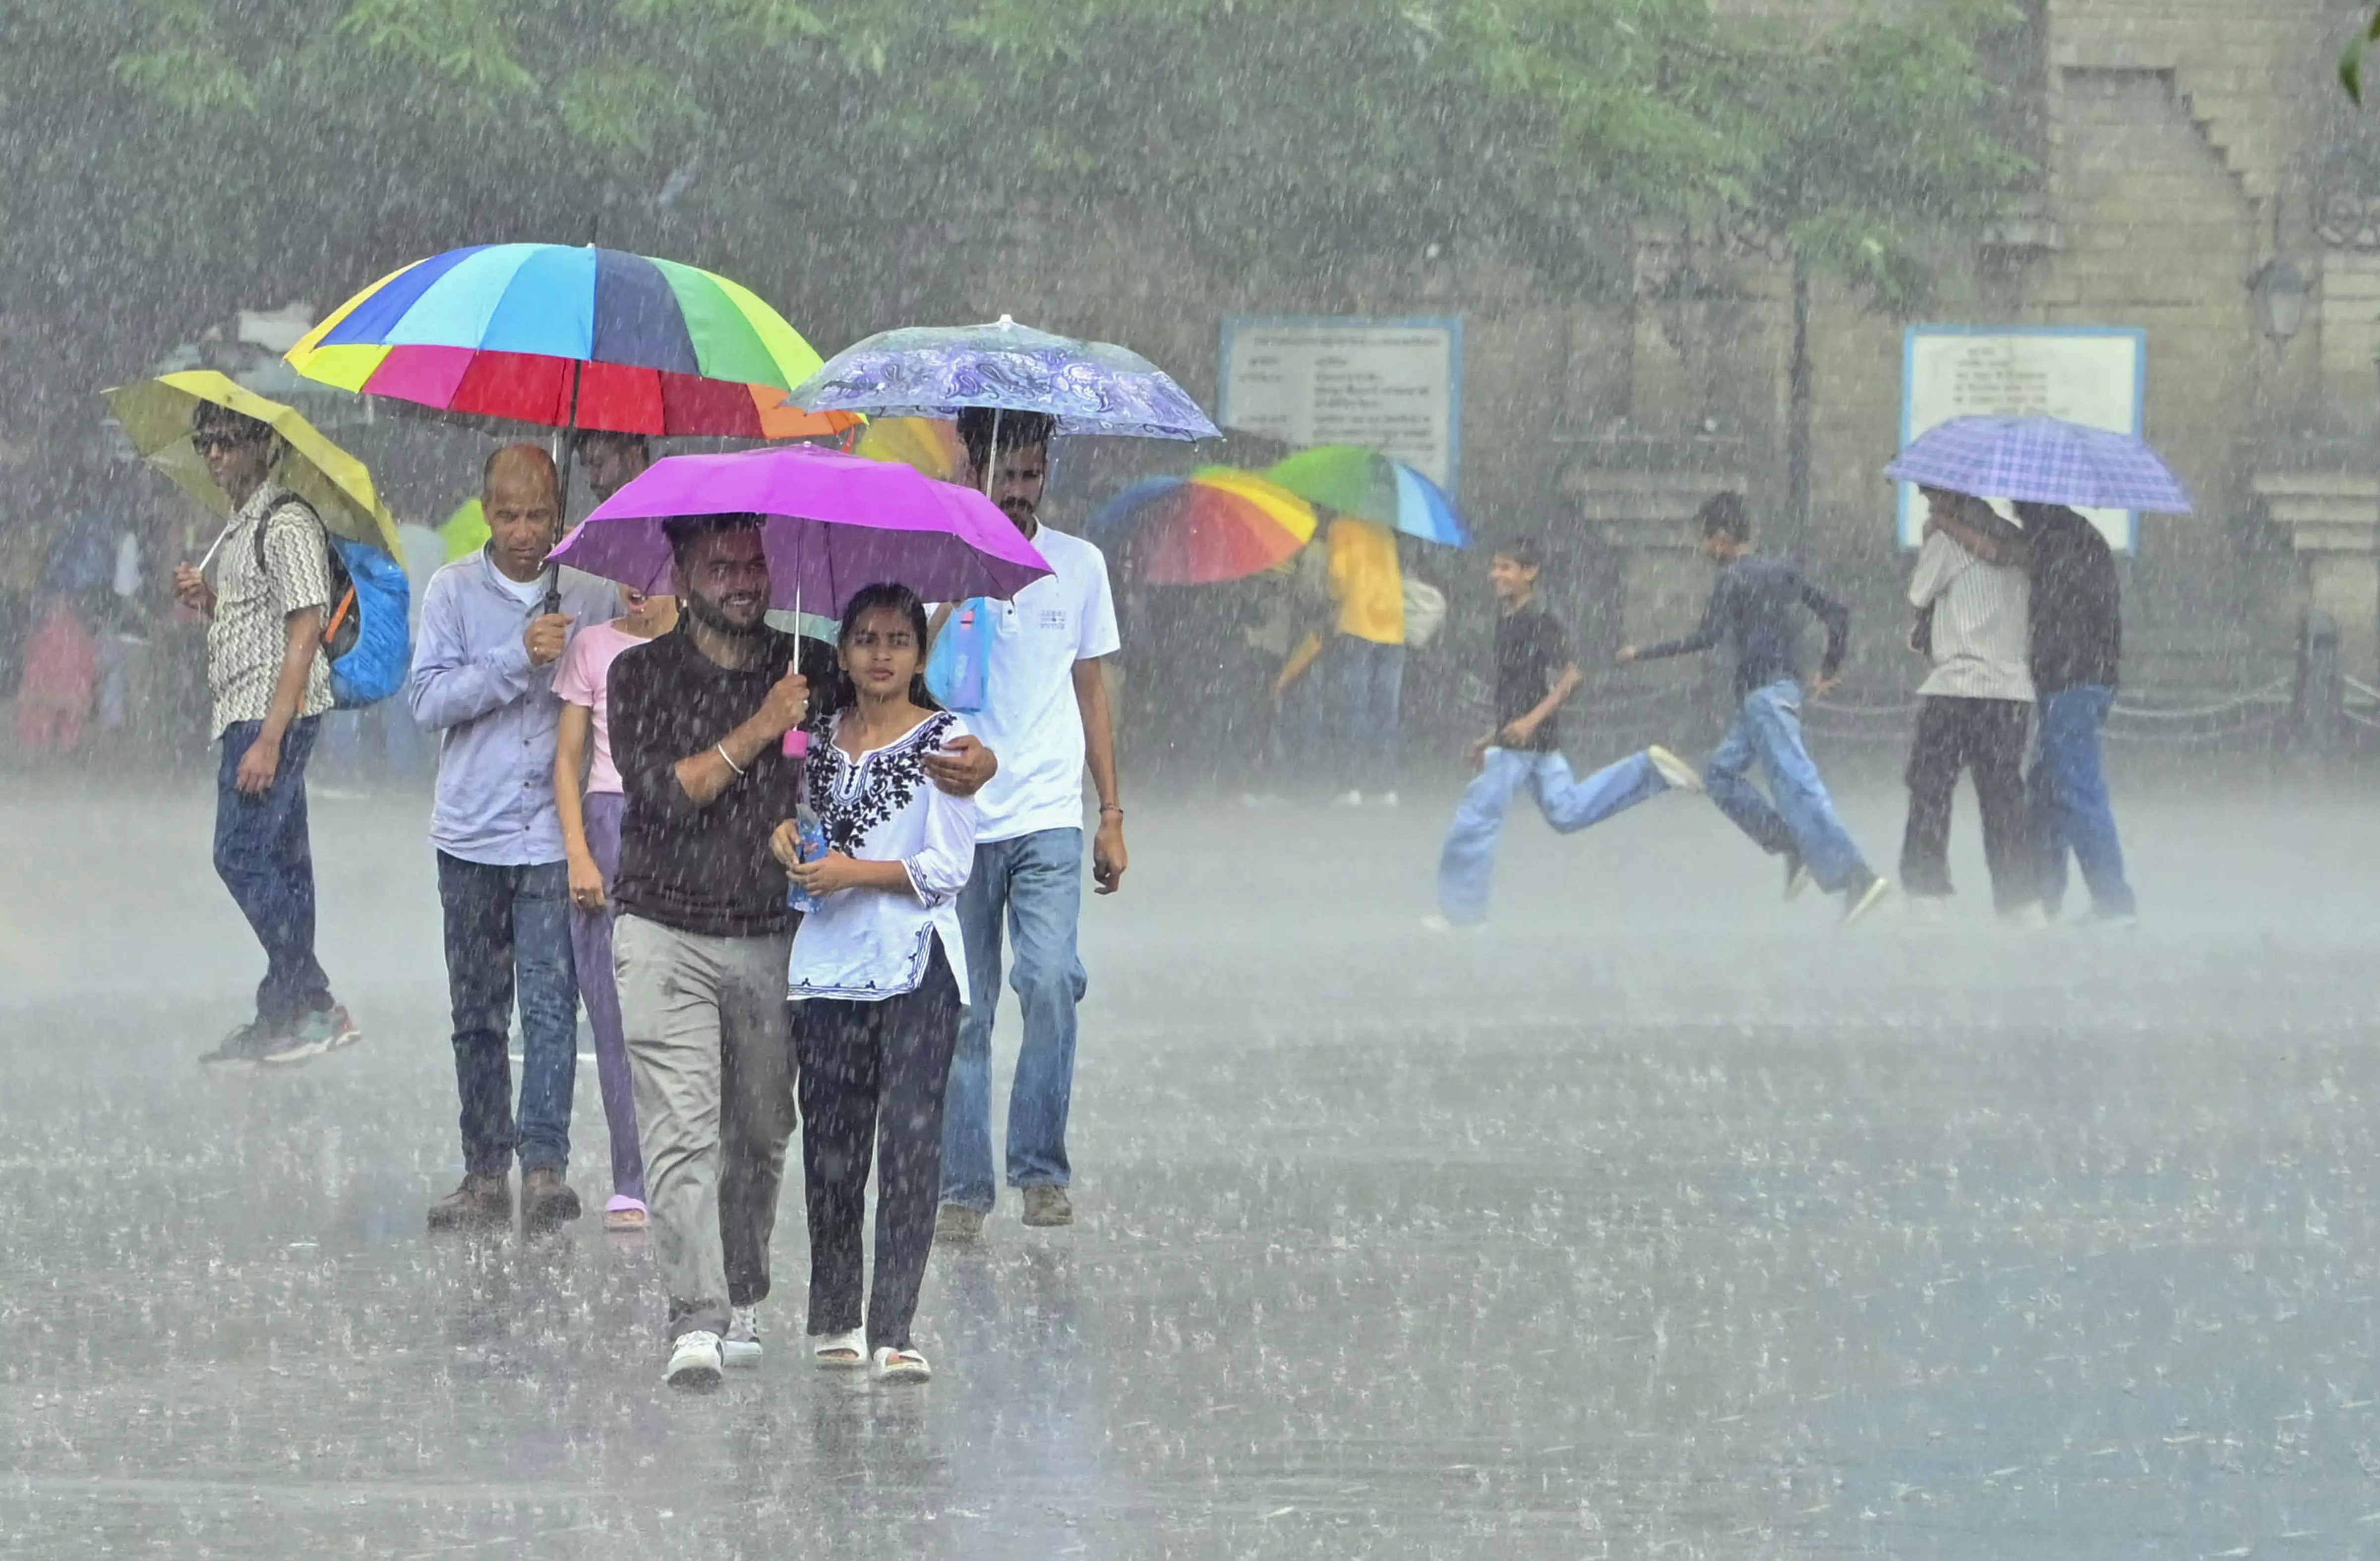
pixel 1665 1221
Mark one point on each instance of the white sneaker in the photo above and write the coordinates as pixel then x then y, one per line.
pixel 1348 799
pixel 1859 901
pixel 1682 776
pixel 2026 918
pixel 1438 924
pixel 694 1360
pixel 1926 910
pixel 901 1365
pixel 742 1345
pixel 1388 799
pixel 839 1352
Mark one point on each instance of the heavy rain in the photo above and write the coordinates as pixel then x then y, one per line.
pixel 1571 779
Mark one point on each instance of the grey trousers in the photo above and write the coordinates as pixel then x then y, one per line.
pixel 710 1049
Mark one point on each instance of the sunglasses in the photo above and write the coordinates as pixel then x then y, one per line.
pixel 207 444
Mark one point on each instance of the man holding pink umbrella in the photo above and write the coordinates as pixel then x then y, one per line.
pixel 700 718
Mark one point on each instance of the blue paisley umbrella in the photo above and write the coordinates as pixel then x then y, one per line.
pixel 933 371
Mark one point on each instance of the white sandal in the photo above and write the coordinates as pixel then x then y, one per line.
pixel 839 1352
pixel 901 1365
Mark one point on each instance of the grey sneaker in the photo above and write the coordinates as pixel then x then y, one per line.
pixel 957 1224
pixel 326 1030
pixel 741 1347
pixel 694 1361
pixel 253 1044
pixel 1047 1205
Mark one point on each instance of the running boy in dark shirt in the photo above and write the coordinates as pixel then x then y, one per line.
pixel 1535 677
pixel 1751 609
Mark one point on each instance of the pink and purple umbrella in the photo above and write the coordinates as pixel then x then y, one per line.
pixel 832 525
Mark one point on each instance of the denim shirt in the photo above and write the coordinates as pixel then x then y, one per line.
pixel 497 715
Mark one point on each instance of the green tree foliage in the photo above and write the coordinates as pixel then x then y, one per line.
pixel 2350 63
pixel 176 156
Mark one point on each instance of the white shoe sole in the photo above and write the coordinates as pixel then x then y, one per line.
pixel 855 1341
pixel 1673 770
pixel 1868 902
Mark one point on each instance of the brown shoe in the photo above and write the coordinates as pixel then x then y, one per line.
pixel 546 1201
pixel 1047 1205
pixel 957 1224
pixel 482 1203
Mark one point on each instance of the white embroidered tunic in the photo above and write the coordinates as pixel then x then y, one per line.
pixel 866 944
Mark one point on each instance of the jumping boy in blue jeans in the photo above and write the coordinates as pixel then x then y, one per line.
pixel 1751 609
pixel 1535 677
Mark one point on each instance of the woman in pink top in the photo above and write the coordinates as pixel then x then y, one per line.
pixel 587 791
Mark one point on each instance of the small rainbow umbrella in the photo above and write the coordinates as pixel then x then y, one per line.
pixel 1371 487
pixel 1218 524
pixel 572 338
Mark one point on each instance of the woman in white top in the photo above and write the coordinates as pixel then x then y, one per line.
pixel 877 969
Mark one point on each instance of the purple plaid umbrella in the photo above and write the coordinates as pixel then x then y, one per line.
pixel 832 524
pixel 2042 461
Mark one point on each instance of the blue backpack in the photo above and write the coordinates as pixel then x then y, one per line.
pixel 366 637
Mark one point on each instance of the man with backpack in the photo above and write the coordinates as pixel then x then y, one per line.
pixel 265 610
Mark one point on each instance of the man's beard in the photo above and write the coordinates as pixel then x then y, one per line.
pixel 1022 512
pixel 713 616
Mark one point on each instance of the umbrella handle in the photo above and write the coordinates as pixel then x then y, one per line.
pixel 213 548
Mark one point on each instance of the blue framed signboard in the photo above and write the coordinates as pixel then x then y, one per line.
pixel 2089 374
pixel 1391 385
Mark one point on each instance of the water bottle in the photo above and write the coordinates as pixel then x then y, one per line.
pixel 810 837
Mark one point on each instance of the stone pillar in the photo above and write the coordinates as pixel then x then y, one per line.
pixel 1639 497
pixel 2333 518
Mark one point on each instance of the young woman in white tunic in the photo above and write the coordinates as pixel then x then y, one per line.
pixel 879 978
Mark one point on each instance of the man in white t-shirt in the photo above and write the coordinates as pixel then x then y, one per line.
pixel 1046 715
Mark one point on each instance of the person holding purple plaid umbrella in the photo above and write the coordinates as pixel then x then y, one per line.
pixel 2046 466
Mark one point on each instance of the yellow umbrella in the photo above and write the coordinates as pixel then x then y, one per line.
pixel 157 414
pixel 929 444
pixel 466 530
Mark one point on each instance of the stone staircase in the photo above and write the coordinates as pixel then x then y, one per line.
pixel 2226 58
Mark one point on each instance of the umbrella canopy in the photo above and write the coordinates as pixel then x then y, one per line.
pixel 932 371
pixel 2042 461
pixel 833 525
pixel 929 444
pixel 567 337
pixel 1213 525
pixel 1371 487
pixel 156 414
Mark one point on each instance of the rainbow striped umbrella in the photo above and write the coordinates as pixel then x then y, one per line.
pixel 1218 524
pixel 575 338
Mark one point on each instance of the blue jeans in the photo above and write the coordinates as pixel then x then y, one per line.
pixel 1036 881
pixel 1767 730
pixel 509 928
pixel 1371 679
pixel 1468 863
pixel 264 858
pixel 2070 810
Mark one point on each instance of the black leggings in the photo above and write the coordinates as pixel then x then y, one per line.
pixel 873 1075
